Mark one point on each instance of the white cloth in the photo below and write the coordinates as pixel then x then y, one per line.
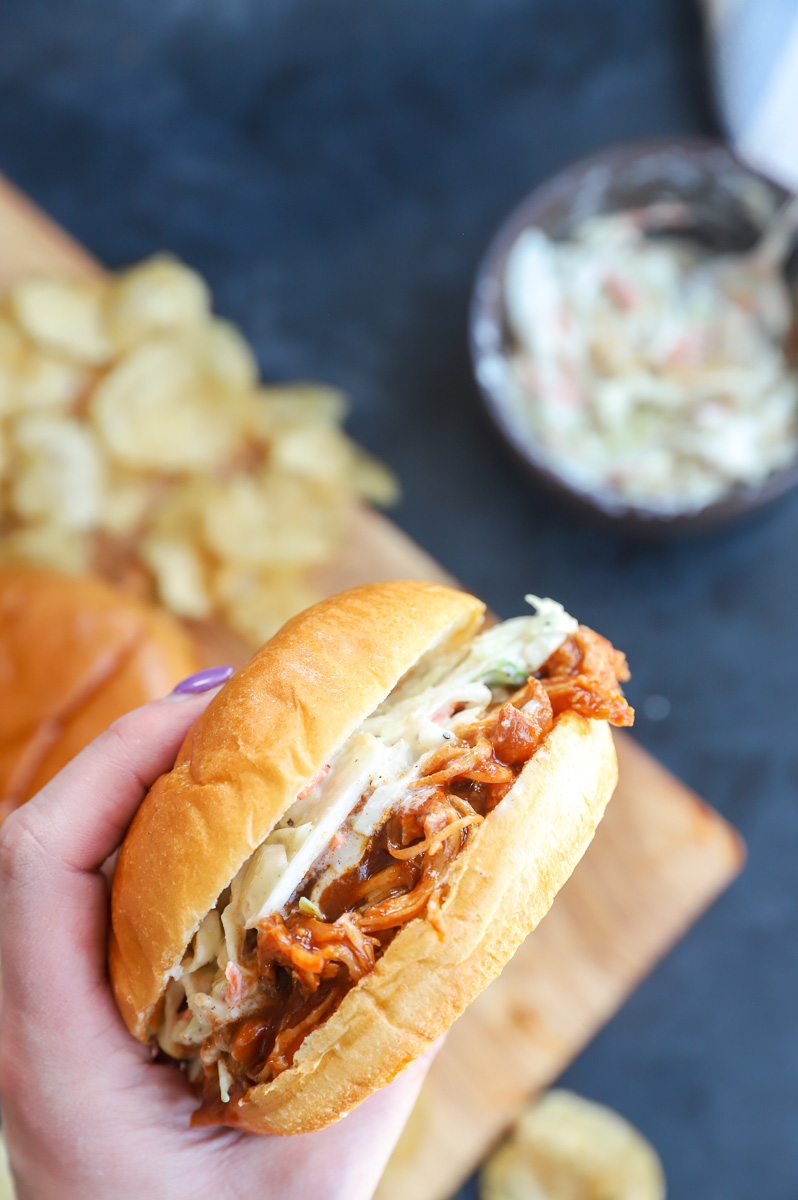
pixel 755 51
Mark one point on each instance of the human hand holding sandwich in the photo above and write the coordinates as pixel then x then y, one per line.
pixel 86 1111
pixel 354 837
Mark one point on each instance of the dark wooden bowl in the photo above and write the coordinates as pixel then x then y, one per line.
pixel 713 183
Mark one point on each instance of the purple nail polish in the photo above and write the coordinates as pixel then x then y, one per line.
pixel 203 681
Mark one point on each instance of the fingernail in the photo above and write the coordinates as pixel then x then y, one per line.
pixel 203 681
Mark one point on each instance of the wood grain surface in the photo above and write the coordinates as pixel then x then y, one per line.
pixel 659 858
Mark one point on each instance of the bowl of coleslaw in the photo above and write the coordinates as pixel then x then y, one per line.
pixel 631 350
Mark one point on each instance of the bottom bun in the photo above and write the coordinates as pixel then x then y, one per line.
pixel 499 889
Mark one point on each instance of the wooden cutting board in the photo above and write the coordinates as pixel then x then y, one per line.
pixel 659 858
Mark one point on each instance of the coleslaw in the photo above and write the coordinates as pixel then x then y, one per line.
pixel 647 371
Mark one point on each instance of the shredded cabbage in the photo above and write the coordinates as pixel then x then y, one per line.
pixel 206 945
pixel 225 1082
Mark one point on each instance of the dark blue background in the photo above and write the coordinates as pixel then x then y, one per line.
pixel 335 168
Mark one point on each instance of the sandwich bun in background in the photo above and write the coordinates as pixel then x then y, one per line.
pixel 263 744
pixel 75 654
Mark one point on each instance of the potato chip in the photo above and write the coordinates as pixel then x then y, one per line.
pixel 47 546
pixel 180 511
pixel 229 356
pixel 372 481
pixel 567 1148
pixel 271 521
pixel 155 296
pixel 57 472
pixel 288 405
pixel 313 451
pixel 257 603
pixel 156 411
pixel 49 382
pixel 509 1175
pixel 63 315
pixel 322 453
pixel 180 575
pixel 31 377
pixel 40 380
pixel 128 499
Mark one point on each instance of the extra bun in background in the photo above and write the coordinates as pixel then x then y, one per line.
pixel 75 654
pixel 263 745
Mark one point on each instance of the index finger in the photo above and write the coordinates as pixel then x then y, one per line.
pixel 52 897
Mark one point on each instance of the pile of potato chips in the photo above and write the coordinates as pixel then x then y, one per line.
pixel 566 1148
pixel 135 438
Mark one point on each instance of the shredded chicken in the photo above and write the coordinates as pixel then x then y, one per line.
pixel 476 762
pixel 432 844
pixel 584 674
pixel 312 949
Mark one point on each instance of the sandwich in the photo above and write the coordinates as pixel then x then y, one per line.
pixel 356 836
pixel 75 654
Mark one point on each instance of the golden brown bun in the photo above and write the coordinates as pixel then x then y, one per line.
pixel 75 653
pixel 259 742
pixel 499 889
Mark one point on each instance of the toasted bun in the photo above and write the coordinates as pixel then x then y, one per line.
pixel 499 888
pixel 257 745
pixel 75 653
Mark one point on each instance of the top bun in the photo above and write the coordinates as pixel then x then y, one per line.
pixel 75 653
pixel 257 745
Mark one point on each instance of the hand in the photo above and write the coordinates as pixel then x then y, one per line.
pixel 86 1112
